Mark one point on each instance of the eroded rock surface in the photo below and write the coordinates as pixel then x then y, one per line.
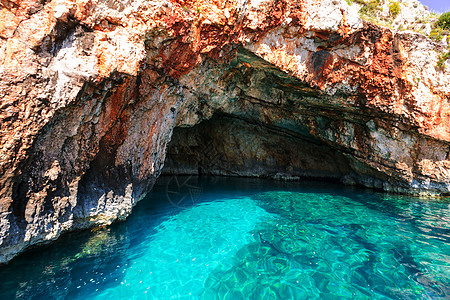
pixel 91 91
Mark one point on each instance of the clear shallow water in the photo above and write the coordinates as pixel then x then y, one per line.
pixel 234 238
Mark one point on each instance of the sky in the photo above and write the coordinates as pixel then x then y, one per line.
pixel 437 5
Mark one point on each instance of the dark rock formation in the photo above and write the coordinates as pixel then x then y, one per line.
pixel 228 146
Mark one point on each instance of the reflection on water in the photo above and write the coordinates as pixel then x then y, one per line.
pixel 234 238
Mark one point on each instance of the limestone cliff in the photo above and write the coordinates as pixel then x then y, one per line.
pixel 91 91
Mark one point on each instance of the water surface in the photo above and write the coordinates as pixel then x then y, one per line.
pixel 235 238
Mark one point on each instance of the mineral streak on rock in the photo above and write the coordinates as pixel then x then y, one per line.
pixel 91 91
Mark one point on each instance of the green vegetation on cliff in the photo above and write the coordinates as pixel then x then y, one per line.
pixel 440 27
pixel 444 20
pixel 372 11
pixel 394 9
pixel 442 59
pixel 440 30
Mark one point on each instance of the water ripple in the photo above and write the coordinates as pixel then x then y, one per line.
pixel 250 239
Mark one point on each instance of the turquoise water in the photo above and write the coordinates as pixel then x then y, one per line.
pixel 234 238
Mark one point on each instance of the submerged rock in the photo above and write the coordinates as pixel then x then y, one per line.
pixel 91 92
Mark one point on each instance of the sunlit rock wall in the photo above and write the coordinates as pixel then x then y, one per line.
pixel 91 91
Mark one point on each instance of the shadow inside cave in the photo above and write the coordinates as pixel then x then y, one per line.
pixel 230 146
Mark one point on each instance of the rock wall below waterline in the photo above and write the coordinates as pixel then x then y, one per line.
pixel 92 90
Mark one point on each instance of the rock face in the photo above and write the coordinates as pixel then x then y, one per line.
pixel 91 91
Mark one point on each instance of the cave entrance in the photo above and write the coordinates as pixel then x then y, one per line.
pixel 229 146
